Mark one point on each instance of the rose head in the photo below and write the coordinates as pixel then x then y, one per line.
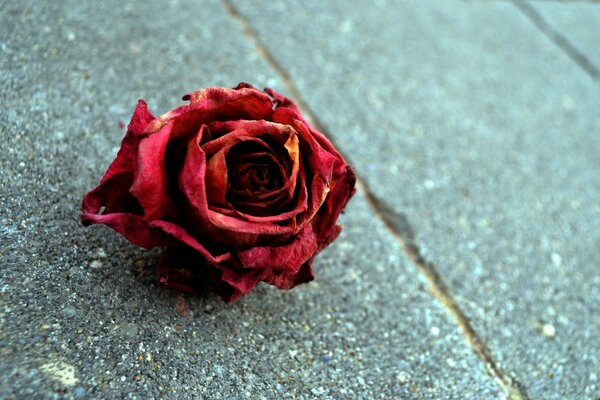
pixel 237 187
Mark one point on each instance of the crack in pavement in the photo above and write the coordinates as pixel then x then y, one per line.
pixel 561 41
pixel 400 227
pixel 396 223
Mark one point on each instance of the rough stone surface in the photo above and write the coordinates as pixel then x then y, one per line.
pixel 476 126
pixel 80 313
pixel 578 22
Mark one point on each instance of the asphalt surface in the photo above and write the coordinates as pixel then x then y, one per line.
pixel 473 124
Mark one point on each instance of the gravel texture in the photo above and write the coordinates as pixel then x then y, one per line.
pixel 469 120
pixel 80 313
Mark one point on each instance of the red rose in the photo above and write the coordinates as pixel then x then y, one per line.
pixel 236 185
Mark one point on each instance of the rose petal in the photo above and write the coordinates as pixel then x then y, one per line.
pixel 181 235
pixel 233 224
pixel 283 102
pixel 217 103
pixel 132 226
pixel 217 171
pixel 181 268
pixel 121 211
pixel 250 130
pixel 113 195
pixel 217 179
pixel 287 161
pixel 341 191
pixel 286 112
pixel 290 280
pixel 286 259
pixel 298 205
pixel 320 165
pixel 342 175
pixel 242 281
pixel 293 149
pixel 242 102
pixel 247 129
pixel 221 228
pixel 150 186
pixel 140 119
pixel 240 168
pixel 113 190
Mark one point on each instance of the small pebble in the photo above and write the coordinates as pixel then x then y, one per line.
pixel 325 359
pixel 402 377
pixel 69 311
pixel 182 306
pixel 548 330
pixel 556 259
pixel 79 392
pixel 130 330
pixel 100 253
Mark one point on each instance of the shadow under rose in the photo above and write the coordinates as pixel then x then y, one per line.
pixel 132 271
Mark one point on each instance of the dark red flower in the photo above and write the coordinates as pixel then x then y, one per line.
pixel 236 185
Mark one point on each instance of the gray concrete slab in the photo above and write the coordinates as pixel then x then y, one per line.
pixel 484 134
pixel 578 22
pixel 81 316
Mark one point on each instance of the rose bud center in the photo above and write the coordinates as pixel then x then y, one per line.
pixel 256 174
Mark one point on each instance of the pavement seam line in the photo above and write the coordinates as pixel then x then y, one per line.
pixel 560 40
pixel 403 234
pixel 437 287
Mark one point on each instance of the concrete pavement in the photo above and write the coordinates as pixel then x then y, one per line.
pixel 468 270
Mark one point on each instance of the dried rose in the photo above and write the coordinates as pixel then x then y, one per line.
pixel 236 185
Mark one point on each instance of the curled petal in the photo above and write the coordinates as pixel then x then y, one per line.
pixel 283 102
pixel 284 259
pixel 112 195
pixel 246 129
pixel 181 235
pixel 243 281
pixel 111 203
pixel 217 178
pixel 342 190
pixel 132 226
pixel 287 112
pixel 150 186
pixel 320 164
pixel 113 190
pixel 241 168
pixel 242 102
pixel 340 176
pixel 233 224
pixel 140 119
pixel 214 104
pixel 287 280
